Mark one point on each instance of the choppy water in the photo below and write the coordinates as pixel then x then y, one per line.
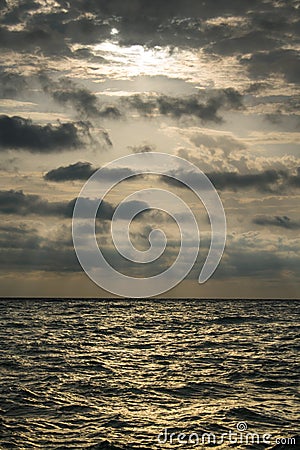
pixel 77 373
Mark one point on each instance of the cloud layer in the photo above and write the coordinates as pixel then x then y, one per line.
pixel 19 133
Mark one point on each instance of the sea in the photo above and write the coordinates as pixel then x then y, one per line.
pixel 149 374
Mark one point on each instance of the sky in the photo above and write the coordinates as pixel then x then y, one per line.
pixel 215 82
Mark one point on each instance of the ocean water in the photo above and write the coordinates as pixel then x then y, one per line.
pixel 79 374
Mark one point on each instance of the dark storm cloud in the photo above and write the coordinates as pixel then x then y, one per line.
pixel 266 181
pixel 267 27
pixel 87 30
pixel 277 221
pixel 18 236
pixel 19 133
pixel 294 180
pixel 37 39
pixel 256 262
pixel 269 181
pixel 87 104
pixel 184 23
pixel 77 171
pixel 49 32
pixel 285 62
pixel 165 23
pixel 254 40
pixel 83 171
pixel 11 84
pixel 17 203
pixel 49 257
pixel 156 9
pixel 194 105
pixel 22 248
pixel 66 92
pixel 127 209
pixel 14 12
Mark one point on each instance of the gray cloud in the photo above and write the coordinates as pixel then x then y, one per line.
pixel 267 181
pixel 19 133
pixel 18 236
pixel 142 9
pixel 272 181
pixel 17 203
pixel 213 141
pixel 11 84
pixel 82 171
pixel 251 41
pixel 194 105
pixel 169 23
pixel 66 92
pixel 34 39
pixel 23 248
pixel 285 62
pixel 277 221
pixel 295 179
pixel 77 171
pixel 14 12
pixel 143 148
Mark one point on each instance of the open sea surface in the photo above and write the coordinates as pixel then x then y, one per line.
pixel 88 374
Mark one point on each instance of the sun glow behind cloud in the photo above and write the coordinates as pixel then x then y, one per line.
pixel 136 60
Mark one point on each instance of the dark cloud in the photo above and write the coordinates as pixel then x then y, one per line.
pixel 77 171
pixel 266 181
pixel 277 221
pixel 17 203
pixel 273 19
pixel 272 181
pixel 253 40
pixel 143 148
pixel 14 236
pixel 19 133
pixel 174 22
pixel 226 142
pixel 83 171
pixel 294 180
pixel 11 84
pixel 32 40
pixel 87 30
pixel 194 105
pixel 66 92
pixel 116 174
pixel 141 9
pixel 23 248
pixel 285 62
pixel 169 23
pixel 127 209
pixel 257 263
pixel 14 12
pixel 269 181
